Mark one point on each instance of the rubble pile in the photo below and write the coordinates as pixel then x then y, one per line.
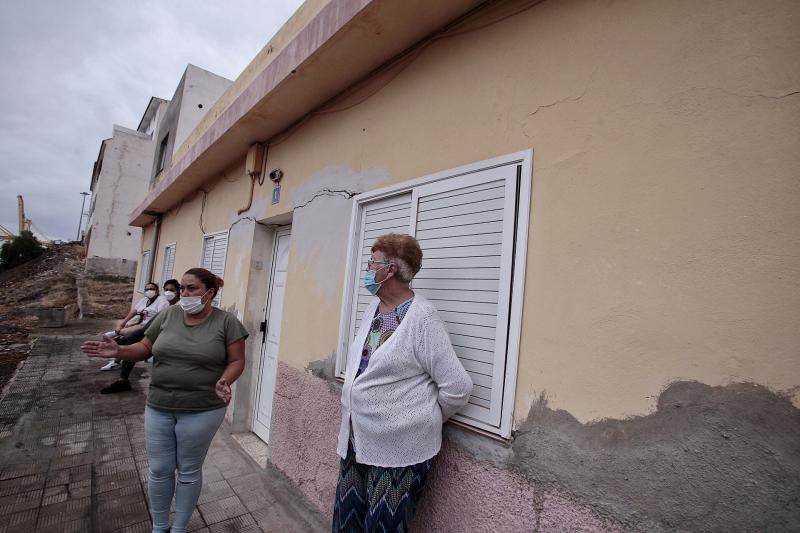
pixel 48 281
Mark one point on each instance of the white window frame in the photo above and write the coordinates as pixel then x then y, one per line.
pixel 213 235
pixel 524 160
pixel 143 271
pixel 164 276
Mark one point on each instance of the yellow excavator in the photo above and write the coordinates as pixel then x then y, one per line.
pixel 25 224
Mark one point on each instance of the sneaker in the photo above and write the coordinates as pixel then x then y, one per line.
pixel 121 385
pixel 111 365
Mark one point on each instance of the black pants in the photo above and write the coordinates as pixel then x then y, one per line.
pixel 133 338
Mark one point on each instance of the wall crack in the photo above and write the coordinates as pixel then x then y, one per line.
pixel 567 99
pixel 344 193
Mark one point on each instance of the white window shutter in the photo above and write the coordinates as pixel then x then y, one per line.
pixel 215 248
pixel 472 225
pixel 465 227
pixel 143 271
pixel 169 263
pixel 388 215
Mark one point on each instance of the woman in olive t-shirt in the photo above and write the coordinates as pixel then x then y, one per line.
pixel 198 352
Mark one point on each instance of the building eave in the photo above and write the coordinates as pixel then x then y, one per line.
pixel 341 45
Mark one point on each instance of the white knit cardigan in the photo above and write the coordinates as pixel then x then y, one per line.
pixel 414 382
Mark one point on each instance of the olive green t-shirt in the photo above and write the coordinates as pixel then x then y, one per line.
pixel 189 360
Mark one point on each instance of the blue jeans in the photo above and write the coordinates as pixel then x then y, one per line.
pixel 177 440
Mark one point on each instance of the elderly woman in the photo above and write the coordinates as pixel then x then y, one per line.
pixel 402 381
pixel 198 352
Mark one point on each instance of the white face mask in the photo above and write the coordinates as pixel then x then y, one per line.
pixel 150 293
pixel 169 295
pixel 192 304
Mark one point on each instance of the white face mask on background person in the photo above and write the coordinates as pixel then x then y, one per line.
pixel 192 304
pixel 150 293
pixel 169 295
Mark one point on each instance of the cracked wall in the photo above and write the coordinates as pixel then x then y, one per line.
pixel 661 242
pixel 709 459
pixel 662 248
pixel 464 492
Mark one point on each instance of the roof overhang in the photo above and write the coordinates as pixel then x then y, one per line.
pixel 342 44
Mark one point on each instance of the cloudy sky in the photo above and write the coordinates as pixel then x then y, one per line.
pixel 72 69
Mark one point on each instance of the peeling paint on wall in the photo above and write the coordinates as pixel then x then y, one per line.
pixel 464 493
pixel 709 459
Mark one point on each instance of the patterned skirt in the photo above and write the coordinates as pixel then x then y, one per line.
pixel 377 499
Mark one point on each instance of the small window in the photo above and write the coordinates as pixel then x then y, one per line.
pixel 215 248
pixel 472 226
pixel 162 154
pixel 143 271
pixel 169 263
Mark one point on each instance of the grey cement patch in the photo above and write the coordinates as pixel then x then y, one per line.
pixel 498 453
pixel 319 243
pixel 709 459
pixel 325 369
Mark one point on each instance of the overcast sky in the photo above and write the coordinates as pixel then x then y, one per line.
pixel 72 69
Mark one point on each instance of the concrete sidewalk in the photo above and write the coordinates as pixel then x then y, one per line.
pixel 73 460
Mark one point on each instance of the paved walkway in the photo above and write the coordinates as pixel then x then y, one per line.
pixel 73 460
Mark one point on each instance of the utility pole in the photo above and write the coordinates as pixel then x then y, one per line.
pixel 80 221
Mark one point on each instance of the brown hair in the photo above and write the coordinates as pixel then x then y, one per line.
pixel 402 249
pixel 209 279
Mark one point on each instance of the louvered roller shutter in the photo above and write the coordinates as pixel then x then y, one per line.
pixel 388 215
pixel 169 263
pixel 465 227
pixel 215 248
pixel 472 226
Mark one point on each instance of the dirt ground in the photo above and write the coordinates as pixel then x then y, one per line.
pixel 110 297
pixel 50 281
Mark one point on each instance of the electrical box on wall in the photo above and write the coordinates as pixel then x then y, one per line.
pixel 255 159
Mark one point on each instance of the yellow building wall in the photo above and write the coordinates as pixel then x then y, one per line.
pixel 663 237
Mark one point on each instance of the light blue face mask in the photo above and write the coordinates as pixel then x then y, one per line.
pixel 369 281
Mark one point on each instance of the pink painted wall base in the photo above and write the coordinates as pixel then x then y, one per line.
pixel 462 494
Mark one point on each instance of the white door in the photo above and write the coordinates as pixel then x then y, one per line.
pixel 272 334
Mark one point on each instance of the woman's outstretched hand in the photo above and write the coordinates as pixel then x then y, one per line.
pixel 104 349
pixel 223 390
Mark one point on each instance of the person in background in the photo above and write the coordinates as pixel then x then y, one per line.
pixel 198 352
pixel 402 381
pixel 171 295
pixel 138 317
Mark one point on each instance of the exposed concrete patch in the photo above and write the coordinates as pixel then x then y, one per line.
pixel 325 369
pixel 709 459
pixel 466 494
pixel 317 241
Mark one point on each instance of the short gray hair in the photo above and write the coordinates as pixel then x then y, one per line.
pixel 404 272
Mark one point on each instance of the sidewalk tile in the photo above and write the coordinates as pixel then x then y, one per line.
pixel 73 460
